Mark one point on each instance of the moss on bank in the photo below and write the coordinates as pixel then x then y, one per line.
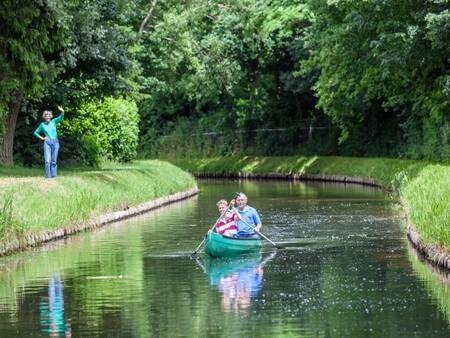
pixel 31 204
pixel 424 187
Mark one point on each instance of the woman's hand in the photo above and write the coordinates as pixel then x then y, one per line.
pixel 61 109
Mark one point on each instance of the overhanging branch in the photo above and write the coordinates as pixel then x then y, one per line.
pixel 149 14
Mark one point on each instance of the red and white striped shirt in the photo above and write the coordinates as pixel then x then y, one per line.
pixel 227 223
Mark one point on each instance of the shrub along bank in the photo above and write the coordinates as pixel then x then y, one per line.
pixel 30 204
pixel 423 187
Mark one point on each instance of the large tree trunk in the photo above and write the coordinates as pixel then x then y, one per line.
pixel 7 137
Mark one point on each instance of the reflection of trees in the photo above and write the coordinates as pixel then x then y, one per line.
pixel 435 279
pixel 345 288
pixel 177 298
pixel 365 294
pixel 124 257
pixel 79 258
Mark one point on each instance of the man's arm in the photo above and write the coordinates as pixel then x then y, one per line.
pixel 257 221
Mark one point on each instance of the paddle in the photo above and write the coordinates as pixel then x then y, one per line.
pixel 212 229
pixel 261 234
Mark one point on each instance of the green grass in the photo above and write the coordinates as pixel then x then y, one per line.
pixel 424 187
pixel 427 201
pixel 30 203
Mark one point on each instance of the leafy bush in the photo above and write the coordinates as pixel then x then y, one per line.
pixel 91 150
pixel 108 129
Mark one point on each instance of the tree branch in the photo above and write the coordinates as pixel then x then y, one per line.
pixel 149 14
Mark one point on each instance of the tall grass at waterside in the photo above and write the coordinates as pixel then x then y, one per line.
pixel 8 225
pixel 427 201
pixel 34 204
pixel 424 187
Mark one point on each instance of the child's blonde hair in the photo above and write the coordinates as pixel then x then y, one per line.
pixel 222 202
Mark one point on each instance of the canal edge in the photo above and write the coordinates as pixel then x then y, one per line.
pixel 295 176
pixel 32 240
pixel 432 253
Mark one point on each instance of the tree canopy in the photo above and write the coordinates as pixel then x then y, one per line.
pixel 365 78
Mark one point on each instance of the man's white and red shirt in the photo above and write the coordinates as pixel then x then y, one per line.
pixel 227 223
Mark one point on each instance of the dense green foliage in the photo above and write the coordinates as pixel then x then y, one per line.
pixel 384 68
pixel 244 76
pixel 423 186
pixel 29 35
pixel 90 55
pixel 109 128
pixel 228 69
pixel 256 77
pixel 81 194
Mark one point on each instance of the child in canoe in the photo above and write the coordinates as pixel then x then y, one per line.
pixel 226 225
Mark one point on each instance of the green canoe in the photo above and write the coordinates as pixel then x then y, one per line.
pixel 221 246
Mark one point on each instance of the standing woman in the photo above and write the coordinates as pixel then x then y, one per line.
pixel 50 138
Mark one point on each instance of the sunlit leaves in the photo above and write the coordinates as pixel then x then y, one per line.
pixel 378 57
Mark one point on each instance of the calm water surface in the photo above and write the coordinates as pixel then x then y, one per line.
pixel 345 270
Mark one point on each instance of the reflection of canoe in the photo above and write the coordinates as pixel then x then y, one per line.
pixel 221 246
pixel 218 268
pixel 238 279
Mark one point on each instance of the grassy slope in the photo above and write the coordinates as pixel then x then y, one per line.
pixel 424 187
pixel 31 203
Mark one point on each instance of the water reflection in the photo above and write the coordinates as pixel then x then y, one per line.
pixel 239 280
pixel 435 279
pixel 343 272
pixel 51 309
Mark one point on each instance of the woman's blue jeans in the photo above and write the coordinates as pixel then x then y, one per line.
pixel 51 148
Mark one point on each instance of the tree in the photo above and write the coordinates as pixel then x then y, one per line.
pixel 30 32
pixel 95 60
pixel 384 73
pixel 223 66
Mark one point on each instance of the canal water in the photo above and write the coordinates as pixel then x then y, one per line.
pixel 344 269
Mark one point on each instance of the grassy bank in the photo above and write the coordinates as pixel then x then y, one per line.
pixel 30 203
pixel 424 187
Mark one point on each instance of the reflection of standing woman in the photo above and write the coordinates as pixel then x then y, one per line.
pixel 51 143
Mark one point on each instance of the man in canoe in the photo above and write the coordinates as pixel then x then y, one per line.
pixel 249 220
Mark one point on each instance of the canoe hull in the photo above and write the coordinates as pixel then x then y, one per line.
pixel 220 246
